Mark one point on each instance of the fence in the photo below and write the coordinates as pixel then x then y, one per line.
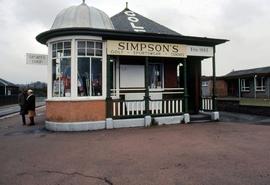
pixel 207 104
pixel 7 100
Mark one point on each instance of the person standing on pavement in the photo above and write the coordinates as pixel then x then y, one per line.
pixel 22 102
pixel 31 106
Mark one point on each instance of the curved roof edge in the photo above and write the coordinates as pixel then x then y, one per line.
pixel 136 36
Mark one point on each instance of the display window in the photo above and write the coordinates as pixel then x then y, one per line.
pixel 89 65
pixel 61 69
pixel 155 76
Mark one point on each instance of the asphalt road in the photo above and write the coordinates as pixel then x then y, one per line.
pixel 194 154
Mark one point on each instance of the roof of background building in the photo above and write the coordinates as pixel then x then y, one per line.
pixel 6 83
pixel 249 72
pixel 123 22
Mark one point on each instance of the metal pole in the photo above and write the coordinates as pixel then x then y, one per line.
pixel 255 84
pixel 185 86
pixel 214 79
pixel 146 97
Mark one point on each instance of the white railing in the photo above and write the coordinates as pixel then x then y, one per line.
pixel 128 108
pixel 123 108
pixel 170 106
pixel 207 104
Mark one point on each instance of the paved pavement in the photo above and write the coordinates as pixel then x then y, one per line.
pixel 195 154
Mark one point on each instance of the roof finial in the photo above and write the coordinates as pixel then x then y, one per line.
pixel 83 2
pixel 126 5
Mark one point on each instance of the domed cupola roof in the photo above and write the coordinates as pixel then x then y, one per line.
pixel 82 16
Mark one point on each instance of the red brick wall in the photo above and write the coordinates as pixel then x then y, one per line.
pixel 170 75
pixel 75 111
pixel 221 88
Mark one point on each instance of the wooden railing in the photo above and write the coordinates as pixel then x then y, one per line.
pixel 166 106
pixel 207 104
pixel 136 108
pixel 130 102
pixel 128 108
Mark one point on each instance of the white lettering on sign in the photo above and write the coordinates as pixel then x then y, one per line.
pixel 132 48
pixel 132 20
pixel 37 59
pixel 200 51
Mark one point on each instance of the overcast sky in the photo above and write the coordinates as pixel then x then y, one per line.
pixel 246 23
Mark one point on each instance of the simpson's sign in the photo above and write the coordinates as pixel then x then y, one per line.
pixel 131 48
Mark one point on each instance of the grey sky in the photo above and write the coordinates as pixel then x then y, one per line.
pixel 244 22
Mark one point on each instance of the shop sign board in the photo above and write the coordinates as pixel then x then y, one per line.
pixel 36 59
pixel 202 51
pixel 153 49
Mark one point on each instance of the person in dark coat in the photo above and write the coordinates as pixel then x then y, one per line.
pixel 23 107
pixel 31 106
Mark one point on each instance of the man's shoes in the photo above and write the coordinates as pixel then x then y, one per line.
pixel 31 124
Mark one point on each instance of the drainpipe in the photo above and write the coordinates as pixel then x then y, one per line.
pixel 255 84
pixel 239 88
pixel 268 87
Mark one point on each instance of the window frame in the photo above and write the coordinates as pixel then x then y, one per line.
pixel 261 87
pixel 244 88
pixel 103 58
pixel 56 57
pixel 74 96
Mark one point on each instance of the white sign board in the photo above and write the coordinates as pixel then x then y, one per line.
pixel 131 76
pixel 202 51
pixel 153 49
pixel 37 59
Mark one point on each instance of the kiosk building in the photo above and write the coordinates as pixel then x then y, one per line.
pixel 123 71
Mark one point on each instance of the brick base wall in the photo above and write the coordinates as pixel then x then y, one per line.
pixel 75 111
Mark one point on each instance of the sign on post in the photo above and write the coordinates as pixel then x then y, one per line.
pixel 36 59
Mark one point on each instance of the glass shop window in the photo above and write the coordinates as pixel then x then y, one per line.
pixel 155 76
pixel 61 69
pixel 89 68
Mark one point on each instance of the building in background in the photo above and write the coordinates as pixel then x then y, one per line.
pixel 249 83
pixel 122 71
pixel 207 87
pixel 8 92
pixel 7 88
